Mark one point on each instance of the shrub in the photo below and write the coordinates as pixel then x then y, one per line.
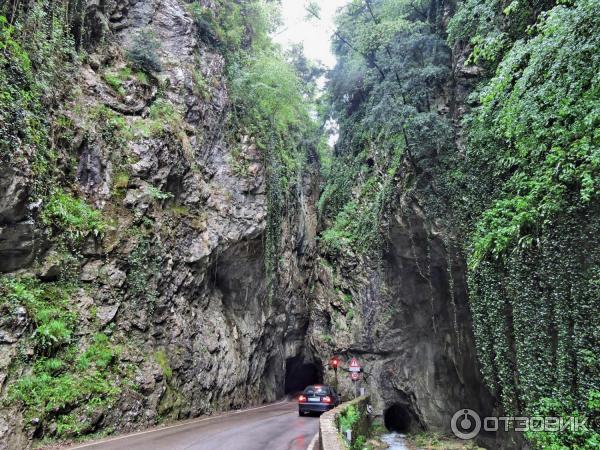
pixel 62 378
pixel 157 194
pixel 48 306
pixel 100 353
pixel 348 418
pixel 568 439
pixel 143 52
pixel 51 335
pixel 73 216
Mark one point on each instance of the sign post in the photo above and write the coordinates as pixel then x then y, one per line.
pixel 354 369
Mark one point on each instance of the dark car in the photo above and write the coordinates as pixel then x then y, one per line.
pixel 317 398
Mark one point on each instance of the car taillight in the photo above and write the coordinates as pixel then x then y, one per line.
pixel 302 398
pixel 327 399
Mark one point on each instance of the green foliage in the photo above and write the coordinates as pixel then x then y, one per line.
pixel 358 224
pixel 556 96
pixel 348 418
pixel 18 93
pixel 392 63
pixel 162 119
pixel 568 439
pixel 157 194
pixel 47 39
pixel 161 358
pixel 116 79
pixel 47 305
pixel 201 86
pixel 524 201
pixel 47 395
pixel 268 90
pixel 62 377
pixel 350 315
pixel 73 216
pixel 143 52
pixel 52 334
pixel 112 127
pixel 359 443
pixel 120 184
pixel 521 199
pixel 37 63
pixel 236 26
pixel 491 26
pixel 337 191
pixel 99 354
pixel 163 110
pixel 327 338
pixel 349 227
pixel 481 24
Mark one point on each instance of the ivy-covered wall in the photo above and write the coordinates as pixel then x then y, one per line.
pixel 533 143
pixel 498 141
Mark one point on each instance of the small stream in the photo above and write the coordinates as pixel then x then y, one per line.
pixel 395 441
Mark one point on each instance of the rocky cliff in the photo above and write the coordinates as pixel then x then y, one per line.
pixel 405 316
pixel 141 282
pixel 171 290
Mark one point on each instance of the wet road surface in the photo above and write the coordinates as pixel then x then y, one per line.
pixel 271 427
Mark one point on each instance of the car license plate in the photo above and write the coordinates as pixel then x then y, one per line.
pixel 314 399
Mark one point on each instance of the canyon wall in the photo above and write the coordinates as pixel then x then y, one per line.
pixel 164 307
pixel 176 281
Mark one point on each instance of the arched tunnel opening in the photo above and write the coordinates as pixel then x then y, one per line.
pixel 399 418
pixel 300 373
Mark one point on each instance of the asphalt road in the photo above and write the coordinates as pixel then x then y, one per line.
pixel 270 427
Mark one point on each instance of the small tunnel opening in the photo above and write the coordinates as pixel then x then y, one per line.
pixel 299 374
pixel 398 418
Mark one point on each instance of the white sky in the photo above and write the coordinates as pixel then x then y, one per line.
pixel 314 34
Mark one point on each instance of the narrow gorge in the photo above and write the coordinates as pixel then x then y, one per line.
pixel 178 238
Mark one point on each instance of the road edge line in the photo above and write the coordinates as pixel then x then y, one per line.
pixel 313 443
pixel 189 422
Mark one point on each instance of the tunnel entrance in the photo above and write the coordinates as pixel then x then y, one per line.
pixel 299 374
pixel 398 418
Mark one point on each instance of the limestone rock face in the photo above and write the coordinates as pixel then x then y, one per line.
pixel 406 319
pixel 16 245
pixel 17 241
pixel 179 275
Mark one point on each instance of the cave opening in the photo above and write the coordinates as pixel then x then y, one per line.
pixel 300 373
pixel 398 418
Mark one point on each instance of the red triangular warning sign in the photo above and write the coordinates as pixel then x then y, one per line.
pixel 354 365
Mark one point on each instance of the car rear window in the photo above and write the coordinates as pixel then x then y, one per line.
pixel 316 390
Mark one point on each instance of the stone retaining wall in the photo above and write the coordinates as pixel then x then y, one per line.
pixel 329 435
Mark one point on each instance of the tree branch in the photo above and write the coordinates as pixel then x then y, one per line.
pixel 349 44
